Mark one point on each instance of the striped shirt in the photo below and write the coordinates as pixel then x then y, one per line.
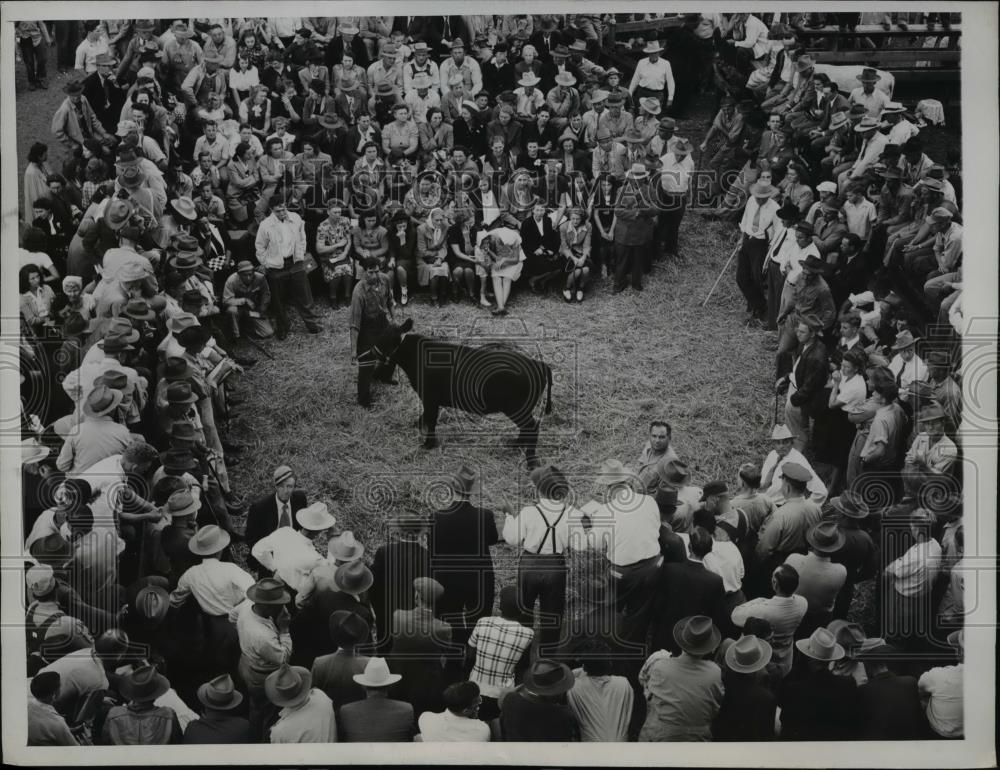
pixel 499 644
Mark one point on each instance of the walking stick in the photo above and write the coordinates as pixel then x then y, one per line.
pixel 723 271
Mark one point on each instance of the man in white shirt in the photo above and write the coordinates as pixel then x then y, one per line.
pixel 901 130
pixel 783 452
pixel 906 366
pixel 784 611
pixel 290 554
pixel 872 99
pixel 759 218
pixel 872 144
pixel 459 722
pixel 421 63
pixel 653 77
pixel 941 693
pixel 460 64
pixel 281 251
pixel 907 582
pixel 676 167
pixel 421 97
pixel 754 45
pixel 543 532
pixel 932 454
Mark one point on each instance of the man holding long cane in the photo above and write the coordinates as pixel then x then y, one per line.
pixel 759 217
pixel 371 314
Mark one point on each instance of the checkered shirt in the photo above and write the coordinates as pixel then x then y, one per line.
pixel 499 644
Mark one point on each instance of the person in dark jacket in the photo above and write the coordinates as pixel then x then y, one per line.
pixel 671 544
pixel 378 718
pixel 816 704
pixel 264 516
pixel 334 673
pixel 141 722
pixel 460 541
pixel 889 706
pixel 858 553
pixel 396 565
pixel 807 380
pixel 747 712
pixel 540 244
pixel 687 588
pixel 309 627
pixel 537 711
pixel 218 722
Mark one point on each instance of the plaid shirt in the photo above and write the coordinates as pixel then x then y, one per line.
pixel 499 644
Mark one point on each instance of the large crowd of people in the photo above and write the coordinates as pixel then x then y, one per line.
pixel 218 171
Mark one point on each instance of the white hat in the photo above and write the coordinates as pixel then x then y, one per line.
pixel 780 433
pixel 315 517
pixel 40 579
pixel 377 674
pixel 830 187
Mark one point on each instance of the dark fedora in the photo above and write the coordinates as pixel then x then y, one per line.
pixel 116 343
pixel 180 393
pixel 548 677
pixel 178 460
pixel 850 504
pixel 789 212
pixel 143 684
pixel 826 537
pixel 152 603
pixel 176 368
pixel 220 694
pixel 140 310
pixel 182 431
pixel 75 325
pixel 185 260
pixel 463 481
pixel 813 264
pixel 288 686
pixel 354 577
pixel 73 87
pixel 697 635
pixel 269 591
pixel 348 628
pixel 52 549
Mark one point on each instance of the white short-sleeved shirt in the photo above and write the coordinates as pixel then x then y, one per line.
pixel 448 727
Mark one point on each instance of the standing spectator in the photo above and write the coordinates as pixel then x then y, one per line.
pixel 820 579
pixel 653 77
pixel 784 611
pixel 818 705
pixel 747 711
pixel 334 673
pixel 684 692
pixel 34 41
pixel 676 168
pixel 141 722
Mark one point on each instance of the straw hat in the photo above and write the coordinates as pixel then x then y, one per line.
pixel 697 635
pixel 345 547
pixel 653 46
pixel 826 537
pixel 32 451
pixel 220 694
pixel 288 686
pixel 781 433
pixel 143 684
pixel 748 654
pixel 102 400
pixel 548 678
pixel 208 540
pixel 650 105
pixel 565 79
pixel 315 517
pixel 614 472
pixel 269 590
pixel 822 646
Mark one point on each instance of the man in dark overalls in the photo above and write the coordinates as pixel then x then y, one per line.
pixel 371 315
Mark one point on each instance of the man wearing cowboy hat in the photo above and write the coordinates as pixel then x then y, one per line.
pixel 906 366
pixel 180 53
pixel 635 221
pixel 218 723
pixel 75 121
pixel 421 97
pixel 867 95
pixel 535 710
pixel 290 553
pixel 206 77
pixel 306 714
pixel 386 70
pixel 747 711
pixel 809 296
pixel 421 63
pixel 820 578
pixel 378 718
pixel 628 527
pixel 759 218
pixel 563 100
pixel 858 554
pixel 818 706
pixel 653 77
pixel 460 64
pixel 141 722
pixel 676 168
pixel 683 692
pixel 99 434
pixel 872 144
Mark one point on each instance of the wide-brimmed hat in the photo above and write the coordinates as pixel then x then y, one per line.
pixel 353 577
pixel 126 127
pixel 748 654
pixel 826 537
pixel 463 481
pixel 185 260
pixel 904 340
pixel 51 549
pixel 184 207
pixel 40 580
pixel 102 400
pixel 930 413
pixel 331 121
pixel 613 471
pixel 651 105
pixel 838 119
pixel 269 590
pixel 634 137
pixel 132 177
pixel 548 677
pixel 152 602
pixel 315 517
pixel 821 645
pixel 893 108
pixel 637 171
pixel 208 540
pixel 345 547
pixel 848 635
pixel 762 190
pixel 377 674
pixel 850 504
pixel 117 213
pixel 578 46
pixel 868 75
pixel 181 503
pixel 549 479
pixel 675 473
pixel 114 379
pixel 781 432
pixel 143 684
pixel 565 79
pixel 653 46
pixel 178 460
pixel 116 343
pixel 131 271
pixel 789 212
pixel 288 686
pixel 348 29
pixel 73 87
pixel 181 321
pixel 804 62
pixel 867 123
pixel 181 31
pixel 348 628
pixel 428 589
pixel 529 78
pixel 697 635
pixel 560 50
pixel 220 694
pixel 939 216
pixel 139 310
pixel 32 451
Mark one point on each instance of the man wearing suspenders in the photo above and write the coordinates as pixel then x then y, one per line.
pixel 544 531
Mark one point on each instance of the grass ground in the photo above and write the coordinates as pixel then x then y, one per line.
pixel 619 362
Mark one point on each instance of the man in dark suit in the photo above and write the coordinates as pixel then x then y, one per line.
pixel 810 370
pixel 396 565
pixel 889 704
pixel 378 718
pixel 358 135
pixel 103 93
pixel 347 40
pixel 687 588
pixel 498 72
pixel 309 627
pixel 274 511
pixel 540 243
pixel 334 673
pixel 546 37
